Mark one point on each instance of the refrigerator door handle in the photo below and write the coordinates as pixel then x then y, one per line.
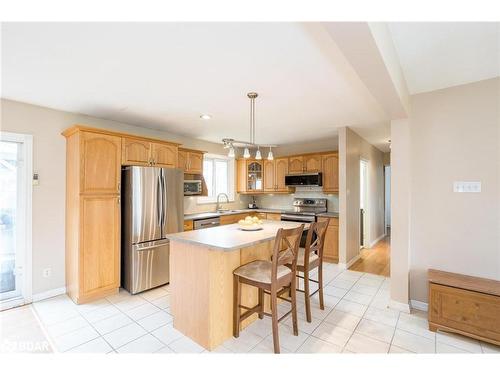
pixel 159 201
pixel 163 203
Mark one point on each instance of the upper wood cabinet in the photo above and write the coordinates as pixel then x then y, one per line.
pixel 250 176
pixel 296 164
pixel 137 151
pixel 330 173
pixel 163 155
pixel 191 161
pixel 100 163
pixel 274 175
pixel 312 163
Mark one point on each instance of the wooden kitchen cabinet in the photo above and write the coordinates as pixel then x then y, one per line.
pixel 330 173
pixel 272 216
pixel 137 151
pixel 274 175
pixel 100 163
pixel 99 246
pixel 250 176
pixel 312 163
pixel 188 225
pixel 93 173
pixel 164 155
pixel 296 164
pixel 232 219
pixel 191 161
pixel 331 246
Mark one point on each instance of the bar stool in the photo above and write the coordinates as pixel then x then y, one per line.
pixel 273 278
pixel 308 259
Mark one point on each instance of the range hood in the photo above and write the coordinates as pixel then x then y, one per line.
pixel 304 179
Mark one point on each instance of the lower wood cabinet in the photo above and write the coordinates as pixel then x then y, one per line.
pixel 232 219
pixel 331 246
pixel 188 225
pixel 99 247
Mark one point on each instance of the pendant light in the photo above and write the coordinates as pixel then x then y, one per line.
pixel 246 153
pixel 258 155
pixel 231 152
pixel 270 155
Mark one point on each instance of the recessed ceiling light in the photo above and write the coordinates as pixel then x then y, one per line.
pixel 205 117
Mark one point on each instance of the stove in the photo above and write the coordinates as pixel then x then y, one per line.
pixel 305 210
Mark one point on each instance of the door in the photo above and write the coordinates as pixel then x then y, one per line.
pixel 269 173
pixel 15 219
pixel 295 164
pixel 164 155
pixel 142 191
pixel 136 152
pixel 281 169
pixel 330 173
pixel 364 205
pixel 255 173
pixel 312 163
pixel 101 163
pixel 195 162
pixel 182 161
pixel 100 243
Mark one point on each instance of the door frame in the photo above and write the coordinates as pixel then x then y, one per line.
pixel 26 186
pixel 366 198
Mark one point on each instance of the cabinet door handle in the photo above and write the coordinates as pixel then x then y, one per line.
pixel 119 200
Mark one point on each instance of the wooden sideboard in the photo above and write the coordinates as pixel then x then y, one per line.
pixel 464 304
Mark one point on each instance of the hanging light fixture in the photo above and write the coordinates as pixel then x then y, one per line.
pixel 258 155
pixel 270 155
pixel 229 143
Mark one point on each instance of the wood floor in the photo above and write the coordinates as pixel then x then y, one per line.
pixel 375 260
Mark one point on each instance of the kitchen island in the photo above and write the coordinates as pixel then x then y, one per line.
pixel 201 277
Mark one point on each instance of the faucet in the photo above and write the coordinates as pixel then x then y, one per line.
pixel 218 207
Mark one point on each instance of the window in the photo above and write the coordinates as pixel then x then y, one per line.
pixel 218 172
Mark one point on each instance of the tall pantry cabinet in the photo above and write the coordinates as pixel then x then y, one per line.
pixel 93 171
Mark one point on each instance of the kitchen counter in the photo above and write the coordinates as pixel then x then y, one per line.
pixel 209 215
pixel 230 237
pixel 201 277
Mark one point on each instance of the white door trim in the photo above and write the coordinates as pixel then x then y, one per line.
pixel 27 192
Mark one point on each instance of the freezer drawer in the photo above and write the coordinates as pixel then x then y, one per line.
pixel 149 266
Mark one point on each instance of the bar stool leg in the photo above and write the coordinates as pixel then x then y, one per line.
pixel 320 286
pixel 261 303
pixel 307 295
pixel 293 295
pixel 236 306
pixel 274 317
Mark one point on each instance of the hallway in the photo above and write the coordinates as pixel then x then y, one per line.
pixel 375 260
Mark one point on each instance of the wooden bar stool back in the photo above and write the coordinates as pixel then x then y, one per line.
pixel 275 278
pixel 309 258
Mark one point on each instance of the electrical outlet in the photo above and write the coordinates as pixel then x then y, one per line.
pixel 47 272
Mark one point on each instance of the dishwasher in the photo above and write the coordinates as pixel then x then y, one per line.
pixel 206 223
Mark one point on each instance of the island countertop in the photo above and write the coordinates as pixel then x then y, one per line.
pixel 230 237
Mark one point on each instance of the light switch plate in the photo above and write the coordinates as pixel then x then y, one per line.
pixel 467 187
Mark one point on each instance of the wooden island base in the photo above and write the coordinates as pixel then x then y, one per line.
pixel 201 284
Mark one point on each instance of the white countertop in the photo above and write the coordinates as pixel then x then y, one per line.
pixel 230 237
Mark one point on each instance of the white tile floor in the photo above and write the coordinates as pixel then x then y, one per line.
pixel 355 319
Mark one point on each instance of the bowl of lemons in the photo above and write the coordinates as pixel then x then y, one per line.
pixel 250 223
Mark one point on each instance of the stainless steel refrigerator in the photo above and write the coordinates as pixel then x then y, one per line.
pixel 152 206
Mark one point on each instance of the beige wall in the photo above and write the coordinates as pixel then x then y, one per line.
pixel 455 136
pixel 400 211
pixel 353 148
pixel 49 161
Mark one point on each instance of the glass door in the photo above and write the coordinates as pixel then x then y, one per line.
pixel 15 199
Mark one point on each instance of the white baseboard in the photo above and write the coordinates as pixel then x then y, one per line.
pixel 373 243
pixel 49 294
pixel 345 266
pixel 419 305
pixel 400 306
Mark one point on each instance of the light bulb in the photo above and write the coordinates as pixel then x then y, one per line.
pixel 246 153
pixel 258 155
pixel 270 155
pixel 231 152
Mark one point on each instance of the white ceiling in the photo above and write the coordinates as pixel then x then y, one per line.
pixel 444 54
pixel 164 75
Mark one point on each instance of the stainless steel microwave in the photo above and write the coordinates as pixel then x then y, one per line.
pixel 305 179
pixel 192 187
